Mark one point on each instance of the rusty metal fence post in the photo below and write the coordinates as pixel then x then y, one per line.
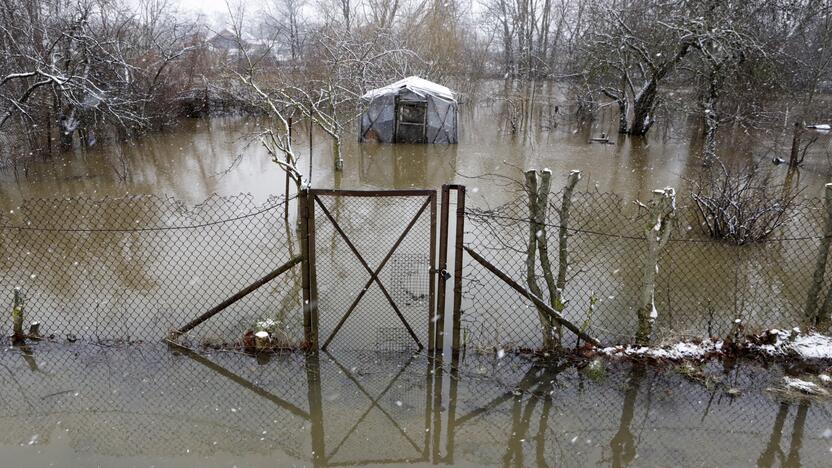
pixel 444 276
pixel 458 253
pixel 432 277
pixel 308 273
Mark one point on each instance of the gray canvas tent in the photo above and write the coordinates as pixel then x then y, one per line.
pixel 412 110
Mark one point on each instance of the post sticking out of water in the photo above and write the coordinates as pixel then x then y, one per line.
pixel 662 209
pixel 34 330
pixel 17 316
pixel 815 316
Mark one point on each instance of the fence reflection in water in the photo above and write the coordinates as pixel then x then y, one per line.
pixel 359 408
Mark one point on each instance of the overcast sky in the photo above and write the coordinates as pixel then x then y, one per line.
pixel 207 7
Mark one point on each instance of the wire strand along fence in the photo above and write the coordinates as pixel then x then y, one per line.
pixel 134 268
pixel 703 285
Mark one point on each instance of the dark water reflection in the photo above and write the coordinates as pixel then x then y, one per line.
pixel 147 405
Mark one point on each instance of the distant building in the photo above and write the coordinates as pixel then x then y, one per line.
pixel 225 41
pixel 412 110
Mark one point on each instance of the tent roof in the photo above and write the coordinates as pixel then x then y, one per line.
pixel 420 86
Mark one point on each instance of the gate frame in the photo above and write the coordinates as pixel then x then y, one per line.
pixel 311 313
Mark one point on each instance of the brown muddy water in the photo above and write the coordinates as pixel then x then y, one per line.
pixel 147 405
pixel 143 405
pixel 201 157
pixel 115 277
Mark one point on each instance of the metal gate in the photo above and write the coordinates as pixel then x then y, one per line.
pixel 370 279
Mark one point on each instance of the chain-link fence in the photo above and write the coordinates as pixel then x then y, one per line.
pixel 702 285
pixel 134 268
pixel 355 312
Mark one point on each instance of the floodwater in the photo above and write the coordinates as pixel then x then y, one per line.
pixel 221 155
pixel 146 405
pixel 137 285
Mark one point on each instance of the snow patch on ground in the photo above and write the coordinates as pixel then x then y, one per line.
pixel 775 343
pixel 676 352
pixel 795 344
pixel 804 386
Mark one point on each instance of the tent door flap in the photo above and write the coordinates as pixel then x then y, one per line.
pixel 411 122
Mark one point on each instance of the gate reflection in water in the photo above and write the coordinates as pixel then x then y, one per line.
pixel 85 405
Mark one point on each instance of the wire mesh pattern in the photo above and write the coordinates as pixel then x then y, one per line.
pixel 544 416
pixel 144 401
pixel 373 225
pixel 134 268
pixel 702 286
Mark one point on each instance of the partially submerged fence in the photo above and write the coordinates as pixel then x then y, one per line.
pixel 702 286
pixel 135 268
pixel 391 270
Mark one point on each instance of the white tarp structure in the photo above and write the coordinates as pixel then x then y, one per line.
pixel 412 110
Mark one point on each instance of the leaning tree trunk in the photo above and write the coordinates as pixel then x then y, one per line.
pixel 661 209
pixel 643 109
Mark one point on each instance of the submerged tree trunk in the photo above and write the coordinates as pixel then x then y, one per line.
pixel 812 314
pixel 661 208
pixel 711 121
pixel 643 109
pixel 620 97
pixel 538 192
pixel 549 331
pixel 17 317
pixel 336 150
pixel 797 136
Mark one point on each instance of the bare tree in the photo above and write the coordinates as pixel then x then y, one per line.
pixel 286 17
pixel 741 205
pixel 631 52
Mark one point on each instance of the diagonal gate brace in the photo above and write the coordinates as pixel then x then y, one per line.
pixel 175 334
pixel 373 273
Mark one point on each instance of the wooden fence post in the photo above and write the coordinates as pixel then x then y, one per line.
pixel 662 209
pixel 17 317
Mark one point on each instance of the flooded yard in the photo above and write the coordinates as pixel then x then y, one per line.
pixel 132 269
pixel 200 157
pixel 147 405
